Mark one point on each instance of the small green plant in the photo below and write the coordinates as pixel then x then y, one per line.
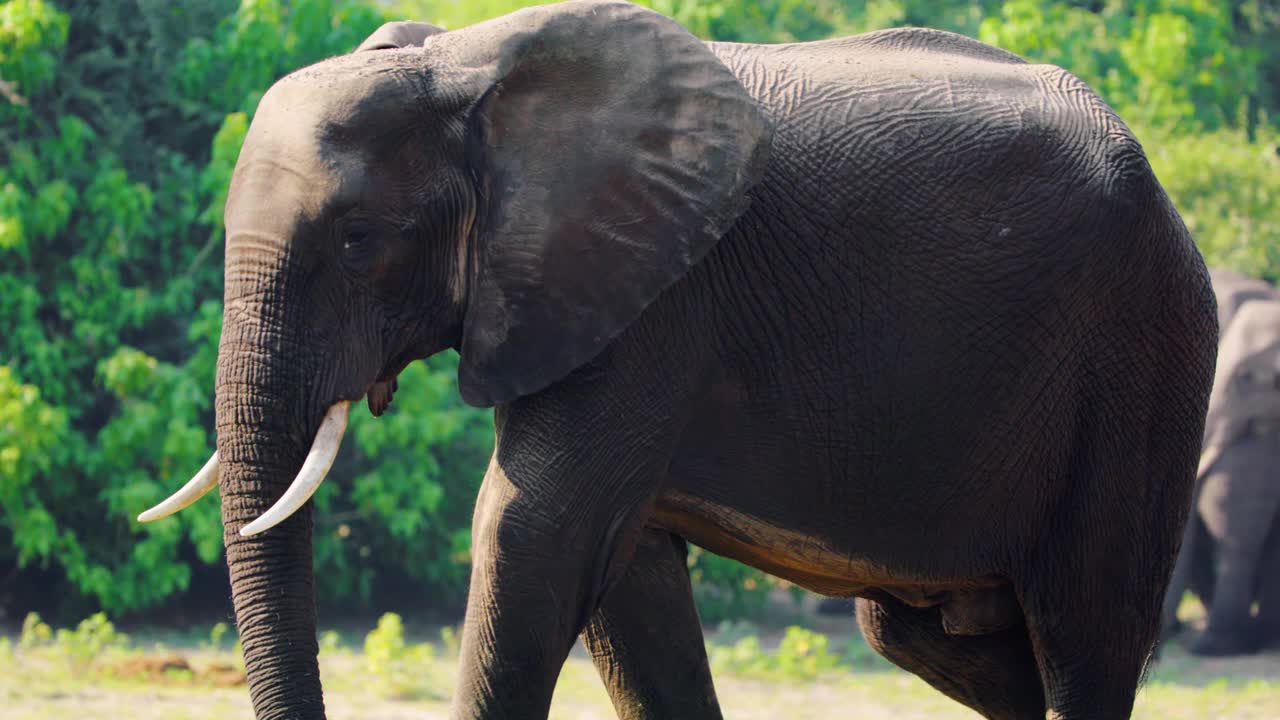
pixel 81 648
pixel 35 633
pixel 330 642
pixel 450 643
pixel 216 633
pixel 94 637
pixel 743 657
pixel 805 654
pixel 802 655
pixel 399 670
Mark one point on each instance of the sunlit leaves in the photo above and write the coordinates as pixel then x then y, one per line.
pixel 1171 64
pixel 1227 189
pixel 32 36
pixel 32 445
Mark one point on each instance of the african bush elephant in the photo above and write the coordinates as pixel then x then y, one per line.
pixel 1232 290
pixel 1194 570
pixel 895 316
pixel 1236 513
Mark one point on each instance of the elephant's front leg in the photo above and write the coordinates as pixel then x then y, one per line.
pixel 646 639
pixel 1238 504
pixel 555 525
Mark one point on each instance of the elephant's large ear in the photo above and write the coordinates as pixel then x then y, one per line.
pixel 398 34
pixel 612 150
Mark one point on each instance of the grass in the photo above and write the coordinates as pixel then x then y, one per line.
pixel 95 671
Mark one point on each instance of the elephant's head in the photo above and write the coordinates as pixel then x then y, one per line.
pixel 519 190
pixel 1246 385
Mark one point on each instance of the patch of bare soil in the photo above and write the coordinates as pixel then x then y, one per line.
pixel 175 669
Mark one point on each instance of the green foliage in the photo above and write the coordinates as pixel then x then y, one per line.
pixel 1169 64
pixel 111 191
pixel 764 21
pixel 216 634
pixel 86 644
pixel 81 650
pixel 398 669
pixel 802 655
pixel 264 40
pixel 35 632
pixel 330 642
pixel 32 37
pixel 120 124
pixel 726 589
pixel 1227 189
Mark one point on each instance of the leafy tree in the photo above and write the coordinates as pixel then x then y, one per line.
pixel 122 123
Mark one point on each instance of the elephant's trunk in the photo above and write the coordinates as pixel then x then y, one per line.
pixel 266 418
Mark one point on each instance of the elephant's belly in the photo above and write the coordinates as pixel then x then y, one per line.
pixel 798 557
pixel 970 605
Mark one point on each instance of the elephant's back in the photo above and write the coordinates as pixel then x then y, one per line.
pixel 925 101
pixel 903 39
pixel 915 143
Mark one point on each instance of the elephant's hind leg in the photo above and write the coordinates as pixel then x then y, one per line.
pixel 646 641
pixel 994 673
pixel 1092 587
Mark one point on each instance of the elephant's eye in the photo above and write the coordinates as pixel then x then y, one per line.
pixel 355 237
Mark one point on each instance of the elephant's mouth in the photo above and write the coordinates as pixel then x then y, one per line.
pixel 381 393
pixel 383 389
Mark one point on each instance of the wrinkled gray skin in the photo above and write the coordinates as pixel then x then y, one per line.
pixel 1236 516
pixel 400 34
pixel 895 316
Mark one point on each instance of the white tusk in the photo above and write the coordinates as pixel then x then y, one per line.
pixel 203 482
pixel 324 448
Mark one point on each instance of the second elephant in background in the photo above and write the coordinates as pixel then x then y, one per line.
pixel 1233 290
pixel 1231 552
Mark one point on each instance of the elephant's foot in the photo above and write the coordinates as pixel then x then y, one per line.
pixel 1217 643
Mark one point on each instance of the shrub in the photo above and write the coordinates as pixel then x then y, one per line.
pixel 400 670
pixel 83 649
pixel 801 655
pixel 1227 188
